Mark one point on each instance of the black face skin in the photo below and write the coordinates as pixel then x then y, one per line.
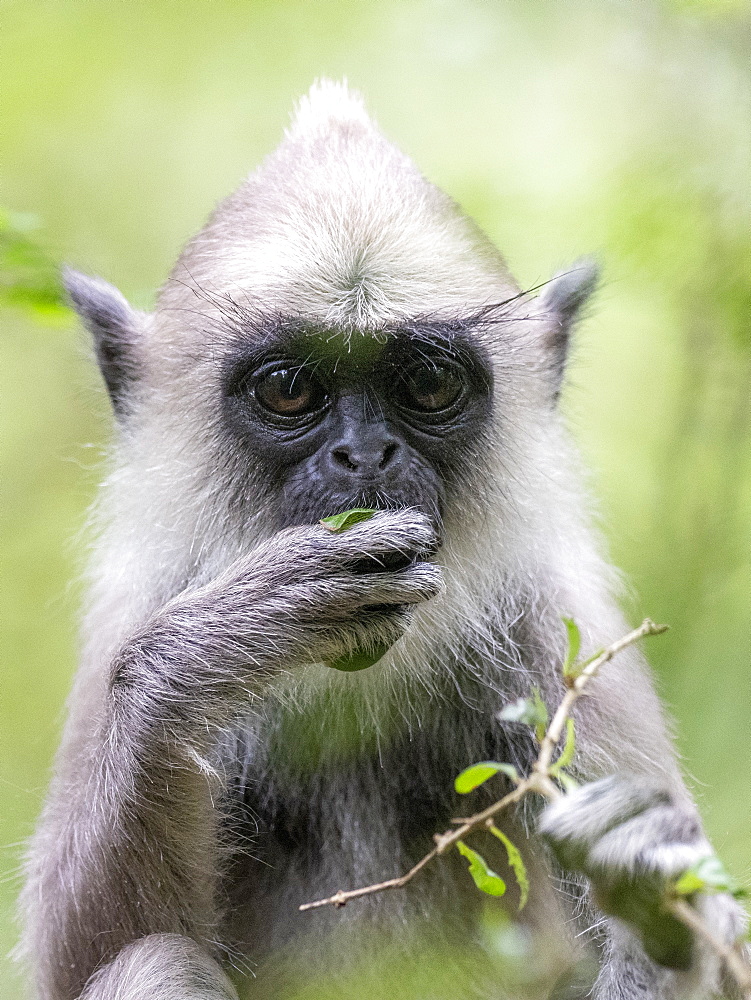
pixel 336 421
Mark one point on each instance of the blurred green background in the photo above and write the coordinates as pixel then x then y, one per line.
pixel 621 129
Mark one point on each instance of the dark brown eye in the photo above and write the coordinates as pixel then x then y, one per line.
pixel 431 388
pixel 290 392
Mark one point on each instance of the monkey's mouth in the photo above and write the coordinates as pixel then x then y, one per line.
pixel 298 509
pixel 416 495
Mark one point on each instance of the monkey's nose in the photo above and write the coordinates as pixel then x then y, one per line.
pixel 366 459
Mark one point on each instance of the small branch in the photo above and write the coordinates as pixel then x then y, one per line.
pixel 590 670
pixel 442 841
pixel 735 963
pixel 341 898
pixel 539 780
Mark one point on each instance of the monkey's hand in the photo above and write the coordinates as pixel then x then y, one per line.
pixel 631 837
pixel 325 595
pixel 304 596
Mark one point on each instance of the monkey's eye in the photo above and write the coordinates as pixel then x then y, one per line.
pixel 430 388
pixel 290 392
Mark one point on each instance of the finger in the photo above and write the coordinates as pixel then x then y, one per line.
pixel 664 839
pixel 592 810
pixel 407 532
pixel 419 582
pixel 349 592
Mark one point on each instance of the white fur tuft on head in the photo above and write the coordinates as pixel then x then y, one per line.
pixel 328 101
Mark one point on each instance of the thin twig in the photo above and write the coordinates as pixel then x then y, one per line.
pixel 442 843
pixel 539 779
pixel 734 961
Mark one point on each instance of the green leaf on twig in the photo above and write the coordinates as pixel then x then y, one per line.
pixel 485 879
pixel 516 863
pixel 476 774
pixel 340 522
pixel 569 783
pixel 531 711
pixel 707 875
pixel 570 668
pixel 569 748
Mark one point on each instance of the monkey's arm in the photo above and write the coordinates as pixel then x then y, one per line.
pixel 128 846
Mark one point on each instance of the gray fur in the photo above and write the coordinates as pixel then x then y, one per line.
pixel 161 967
pixel 214 774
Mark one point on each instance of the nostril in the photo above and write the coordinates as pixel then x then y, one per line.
pixel 341 457
pixel 388 453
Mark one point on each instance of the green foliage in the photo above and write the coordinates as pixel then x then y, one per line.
pixel 29 278
pixel 571 668
pixel 532 711
pixel 337 523
pixel 570 784
pixel 516 863
pixel 572 648
pixel 485 879
pixel 569 749
pixel 707 875
pixel 476 774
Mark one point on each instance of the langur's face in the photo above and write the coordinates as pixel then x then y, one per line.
pixel 332 421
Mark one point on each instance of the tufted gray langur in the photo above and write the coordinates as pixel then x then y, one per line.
pixel 339 335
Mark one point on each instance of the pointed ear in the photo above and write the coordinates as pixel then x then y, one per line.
pixel 115 329
pixel 561 301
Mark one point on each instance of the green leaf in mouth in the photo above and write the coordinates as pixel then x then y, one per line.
pixel 340 522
